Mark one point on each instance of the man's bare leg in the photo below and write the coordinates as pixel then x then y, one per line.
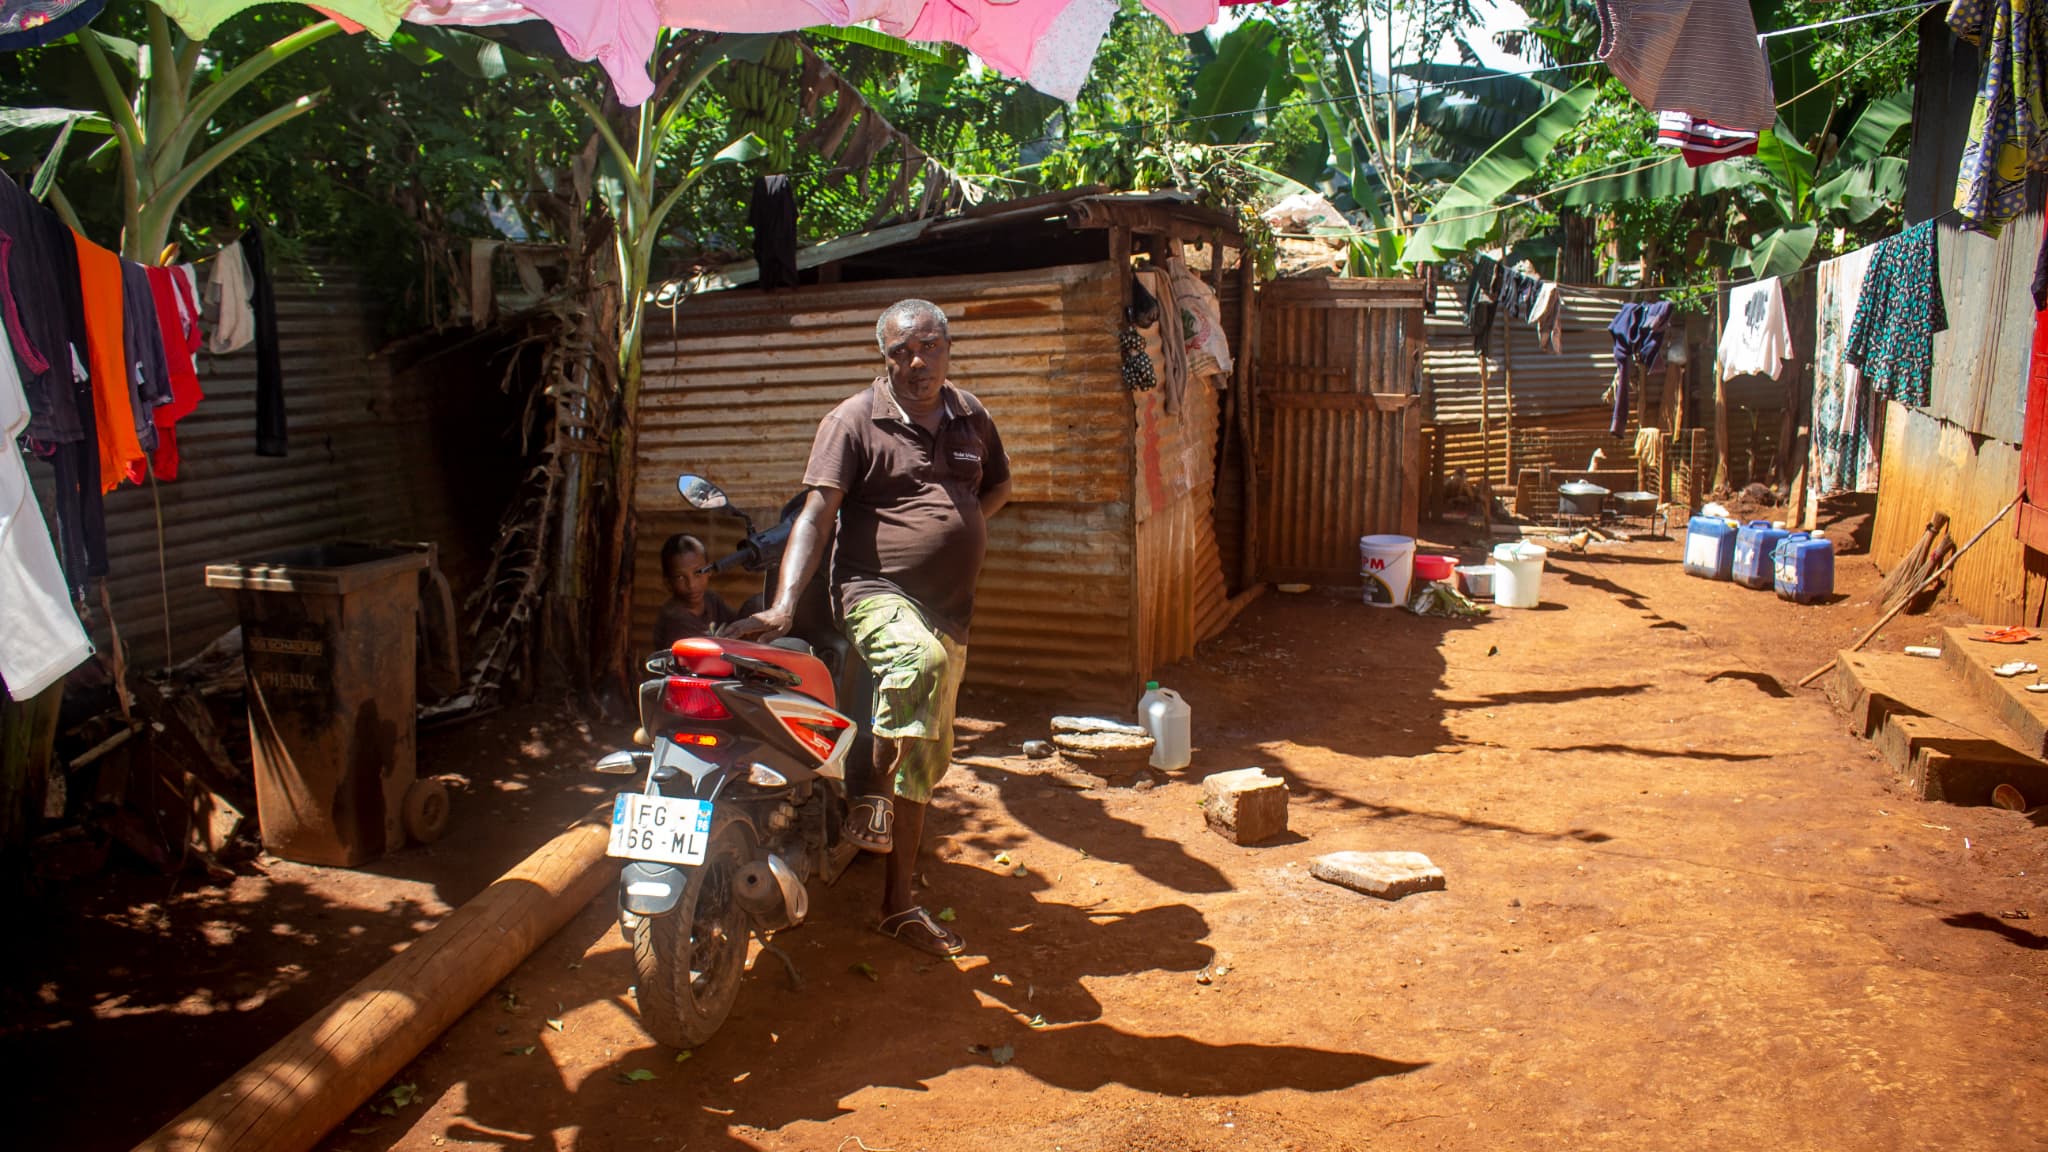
pixel 902 870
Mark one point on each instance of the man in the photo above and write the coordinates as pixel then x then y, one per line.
pixel 692 608
pixel 910 469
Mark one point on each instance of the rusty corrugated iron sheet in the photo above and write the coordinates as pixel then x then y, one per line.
pixel 736 383
pixel 1338 427
pixel 1181 592
pixel 1931 465
pixel 361 465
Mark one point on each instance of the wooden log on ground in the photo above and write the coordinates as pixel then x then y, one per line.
pixel 292 1095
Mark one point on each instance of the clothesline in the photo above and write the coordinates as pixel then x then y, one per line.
pixel 1128 129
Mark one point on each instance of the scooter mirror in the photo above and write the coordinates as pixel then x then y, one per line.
pixel 619 764
pixel 702 494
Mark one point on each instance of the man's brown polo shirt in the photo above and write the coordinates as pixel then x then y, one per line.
pixel 911 519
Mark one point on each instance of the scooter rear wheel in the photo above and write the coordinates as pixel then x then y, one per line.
pixel 689 960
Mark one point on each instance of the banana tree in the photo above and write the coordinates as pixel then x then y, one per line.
pixel 1786 194
pixel 160 108
pixel 1467 215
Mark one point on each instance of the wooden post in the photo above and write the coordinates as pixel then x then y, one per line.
pixel 1247 412
pixel 1485 420
pixel 1507 376
pixel 1720 385
pixel 292 1095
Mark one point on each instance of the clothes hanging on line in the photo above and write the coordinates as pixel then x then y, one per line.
pixel 1758 339
pixel 178 325
pixel 149 371
pixel 1845 414
pixel 1699 57
pixel 227 287
pixel 45 314
pixel 107 365
pixel 1891 339
pixel 1481 300
pixel 1427 274
pixel 40 636
pixel 1548 318
pixel 1702 141
pixel 2008 133
pixel 1518 294
pixel 1638 331
pixel 270 422
pixel 771 214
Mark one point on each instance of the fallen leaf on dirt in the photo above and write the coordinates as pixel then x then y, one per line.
pixel 947 915
pixel 718 1111
pixel 865 969
pixel 999 978
pixel 555 1024
pixel 1002 857
pixel 1002 1055
pixel 683 1055
pixel 1038 1021
pixel 636 1076
pixel 523 1050
pixel 741 1076
pixel 2015 914
pixel 1020 870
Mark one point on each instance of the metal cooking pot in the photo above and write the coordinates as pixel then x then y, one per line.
pixel 1579 498
pixel 1635 503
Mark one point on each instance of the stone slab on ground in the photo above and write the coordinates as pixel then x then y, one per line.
pixel 1245 806
pixel 1387 875
pixel 1104 748
pixel 1937 760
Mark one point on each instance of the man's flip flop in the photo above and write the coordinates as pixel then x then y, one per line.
pixel 915 927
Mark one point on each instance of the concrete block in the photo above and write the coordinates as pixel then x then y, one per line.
pixel 1245 806
pixel 1387 875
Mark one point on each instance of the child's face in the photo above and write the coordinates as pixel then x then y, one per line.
pixel 684 581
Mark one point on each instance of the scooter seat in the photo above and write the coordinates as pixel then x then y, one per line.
pixel 705 656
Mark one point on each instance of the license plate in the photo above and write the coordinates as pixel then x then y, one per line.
pixel 660 829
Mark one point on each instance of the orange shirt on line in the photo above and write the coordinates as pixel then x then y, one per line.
pixel 113 405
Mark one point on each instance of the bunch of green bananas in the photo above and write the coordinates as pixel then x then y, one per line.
pixel 762 99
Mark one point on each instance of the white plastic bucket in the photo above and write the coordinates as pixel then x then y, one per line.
pixel 1518 574
pixel 1387 566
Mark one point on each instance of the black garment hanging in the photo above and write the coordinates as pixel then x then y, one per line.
pixel 45 313
pixel 150 387
pixel 270 434
pixel 1481 299
pixel 1427 274
pixel 772 216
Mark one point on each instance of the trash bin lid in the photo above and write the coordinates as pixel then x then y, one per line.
pixel 329 569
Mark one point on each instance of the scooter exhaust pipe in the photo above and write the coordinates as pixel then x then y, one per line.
pixel 771 894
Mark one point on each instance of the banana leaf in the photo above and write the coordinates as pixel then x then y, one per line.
pixel 1229 87
pixel 1875 130
pixel 1461 217
pixel 879 41
pixel 1784 251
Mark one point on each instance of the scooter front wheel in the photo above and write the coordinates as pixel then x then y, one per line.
pixel 689 960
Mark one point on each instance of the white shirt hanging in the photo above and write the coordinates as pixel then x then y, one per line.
pixel 229 286
pixel 1758 339
pixel 40 636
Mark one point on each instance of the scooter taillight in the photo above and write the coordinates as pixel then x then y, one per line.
pixel 692 699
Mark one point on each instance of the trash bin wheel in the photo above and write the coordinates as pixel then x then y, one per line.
pixel 426 811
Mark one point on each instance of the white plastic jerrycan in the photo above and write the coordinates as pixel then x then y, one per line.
pixel 1171 724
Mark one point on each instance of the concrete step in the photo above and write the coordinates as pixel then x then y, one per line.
pixel 1940 736
pixel 2022 712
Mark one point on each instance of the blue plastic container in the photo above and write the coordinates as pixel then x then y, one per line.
pixel 1755 544
pixel 1709 547
pixel 1804 568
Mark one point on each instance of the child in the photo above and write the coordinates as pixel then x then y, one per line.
pixel 692 608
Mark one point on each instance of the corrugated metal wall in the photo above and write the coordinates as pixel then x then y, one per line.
pixel 1960 454
pixel 1339 425
pixel 1181 593
pixel 362 465
pixel 737 382
pixel 1930 464
pixel 1550 390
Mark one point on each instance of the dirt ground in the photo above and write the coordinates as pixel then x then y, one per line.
pixel 1684 908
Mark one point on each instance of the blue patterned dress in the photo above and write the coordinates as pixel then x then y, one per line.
pixel 1892 338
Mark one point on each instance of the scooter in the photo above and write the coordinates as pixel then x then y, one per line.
pixel 742 803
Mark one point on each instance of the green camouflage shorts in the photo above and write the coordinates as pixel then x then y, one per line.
pixel 917 682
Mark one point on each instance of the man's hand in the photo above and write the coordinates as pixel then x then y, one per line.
pixel 763 627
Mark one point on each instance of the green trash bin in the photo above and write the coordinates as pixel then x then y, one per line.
pixel 328 639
